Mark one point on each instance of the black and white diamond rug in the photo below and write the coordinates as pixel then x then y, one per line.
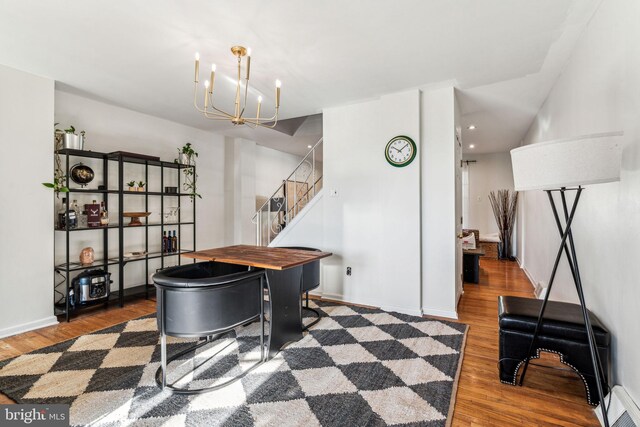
pixel 356 367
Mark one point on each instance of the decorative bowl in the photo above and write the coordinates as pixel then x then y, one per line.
pixel 135 217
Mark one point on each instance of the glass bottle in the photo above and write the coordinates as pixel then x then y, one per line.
pixel 76 210
pixel 62 214
pixel 164 242
pixel 104 216
pixel 174 242
pixel 67 216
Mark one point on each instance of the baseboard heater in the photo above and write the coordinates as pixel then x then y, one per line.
pixel 623 412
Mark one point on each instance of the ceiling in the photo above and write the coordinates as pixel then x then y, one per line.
pixel 504 55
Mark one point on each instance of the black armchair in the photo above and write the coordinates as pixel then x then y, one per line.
pixel 206 300
pixel 310 281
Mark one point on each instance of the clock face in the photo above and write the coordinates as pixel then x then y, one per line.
pixel 400 151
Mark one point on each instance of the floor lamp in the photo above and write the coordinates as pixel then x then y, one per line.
pixel 565 166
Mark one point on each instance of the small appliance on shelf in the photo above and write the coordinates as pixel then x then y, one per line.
pixel 91 286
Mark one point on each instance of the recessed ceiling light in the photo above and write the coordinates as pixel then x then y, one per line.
pixel 472 146
pixel 308 146
pixel 471 127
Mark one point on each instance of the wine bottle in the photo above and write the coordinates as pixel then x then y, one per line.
pixel 164 242
pixel 174 242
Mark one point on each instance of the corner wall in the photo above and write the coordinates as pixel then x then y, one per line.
pixel 438 186
pixel 26 255
pixel 372 209
pixel 599 91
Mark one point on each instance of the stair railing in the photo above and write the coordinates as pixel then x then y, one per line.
pixel 289 199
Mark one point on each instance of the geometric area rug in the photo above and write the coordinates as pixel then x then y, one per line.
pixel 356 367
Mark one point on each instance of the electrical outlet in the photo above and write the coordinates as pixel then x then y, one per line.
pixel 348 271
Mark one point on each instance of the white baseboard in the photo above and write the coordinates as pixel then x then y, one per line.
pixel 340 297
pixel 451 314
pixel 29 326
pixel 410 311
pixel 531 279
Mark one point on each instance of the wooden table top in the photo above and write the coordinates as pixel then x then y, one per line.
pixel 259 256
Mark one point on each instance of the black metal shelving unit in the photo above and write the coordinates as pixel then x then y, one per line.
pixel 68 267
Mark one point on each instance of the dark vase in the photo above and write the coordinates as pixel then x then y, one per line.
pixel 504 247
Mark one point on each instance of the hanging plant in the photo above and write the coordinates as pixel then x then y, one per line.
pixel 59 178
pixel 187 157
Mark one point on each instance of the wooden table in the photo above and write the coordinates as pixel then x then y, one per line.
pixel 471 264
pixel 284 280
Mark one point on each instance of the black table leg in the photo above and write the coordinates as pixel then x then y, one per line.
pixel 286 315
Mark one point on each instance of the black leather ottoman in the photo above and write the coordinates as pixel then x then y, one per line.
pixel 562 332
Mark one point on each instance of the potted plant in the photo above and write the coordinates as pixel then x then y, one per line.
pixel 187 155
pixel 70 139
pixel 187 158
pixel 59 178
pixel 141 185
pixel 132 186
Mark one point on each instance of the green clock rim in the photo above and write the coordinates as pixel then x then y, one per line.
pixel 413 156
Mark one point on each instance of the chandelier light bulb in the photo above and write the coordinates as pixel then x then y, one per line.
pixel 197 56
pixel 206 83
pixel 249 51
pixel 278 84
pixel 213 68
pixel 259 100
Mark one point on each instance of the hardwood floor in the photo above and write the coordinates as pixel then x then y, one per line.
pixel 549 397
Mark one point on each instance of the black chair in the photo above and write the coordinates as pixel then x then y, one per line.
pixel 206 300
pixel 310 281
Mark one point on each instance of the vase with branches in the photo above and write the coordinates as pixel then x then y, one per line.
pixel 504 205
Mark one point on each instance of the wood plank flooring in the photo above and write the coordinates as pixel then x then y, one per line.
pixel 548 398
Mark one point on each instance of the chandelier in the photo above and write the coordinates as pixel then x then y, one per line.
pixel 210 111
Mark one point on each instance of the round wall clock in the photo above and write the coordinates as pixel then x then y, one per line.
pixel 400 151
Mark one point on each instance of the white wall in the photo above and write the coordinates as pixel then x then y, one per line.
pixel 372 224
pixel 111 128
pixel 599 91
pixel 491 172
pixel 26 261
pixel 240 191
pixel 439 221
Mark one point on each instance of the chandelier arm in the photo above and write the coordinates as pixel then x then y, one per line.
pixel 215 116
pixel 262 122
pixel 195 98
pixel 246 92
pixel 219 110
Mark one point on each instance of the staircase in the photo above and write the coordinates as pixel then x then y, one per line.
pixel 290 198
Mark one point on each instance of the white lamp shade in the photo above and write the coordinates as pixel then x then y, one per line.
pixel 584 160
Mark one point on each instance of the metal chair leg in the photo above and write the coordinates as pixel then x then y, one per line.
pixel 316 312
pixel 163 358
